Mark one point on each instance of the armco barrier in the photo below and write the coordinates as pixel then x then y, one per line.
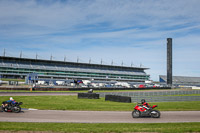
pixel 118 98
pixel 88 95
pixel 157 96
pixel 153 93
pixel 166 98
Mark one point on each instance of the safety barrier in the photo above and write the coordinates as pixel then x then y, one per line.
pixel 118 98
pixel 166 98
pixel 152 93
pixel 158 96
pixel 88 95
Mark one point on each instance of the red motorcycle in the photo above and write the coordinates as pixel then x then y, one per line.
pixel 143 111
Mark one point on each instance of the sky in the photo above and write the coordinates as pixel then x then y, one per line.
pixel 122 32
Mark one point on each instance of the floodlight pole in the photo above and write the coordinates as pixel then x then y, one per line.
pixel 90 61
pixel 4 52
pixel 21 54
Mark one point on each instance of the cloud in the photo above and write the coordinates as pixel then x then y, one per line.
pixel 129 31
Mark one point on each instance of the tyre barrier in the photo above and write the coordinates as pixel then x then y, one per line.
pixel 88 95
pixel 118 98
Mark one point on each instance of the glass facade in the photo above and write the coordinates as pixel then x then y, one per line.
pixel 20 67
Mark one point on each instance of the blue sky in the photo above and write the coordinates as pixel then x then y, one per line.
pixel 128 31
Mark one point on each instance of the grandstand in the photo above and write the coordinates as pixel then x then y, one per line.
pixel 181 80
pixel 13 67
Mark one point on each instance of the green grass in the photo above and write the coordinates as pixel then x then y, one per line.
pixel 178 106
pixel 20 80
pixel 67 103
pixel 73 103
pixel 101 127
pixel 14 91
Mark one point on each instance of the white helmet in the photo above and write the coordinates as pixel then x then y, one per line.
pixel 11 98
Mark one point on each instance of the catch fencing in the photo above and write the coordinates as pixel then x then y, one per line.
pixel 158 96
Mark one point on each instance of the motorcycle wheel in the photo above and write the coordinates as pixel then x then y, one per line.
pixel 17 109
pixel 156 114
pixel 3 109
pixel 136 114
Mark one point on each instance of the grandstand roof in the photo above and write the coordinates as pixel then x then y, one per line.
pixel 69 63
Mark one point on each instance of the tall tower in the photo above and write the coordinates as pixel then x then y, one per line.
pixel 169 61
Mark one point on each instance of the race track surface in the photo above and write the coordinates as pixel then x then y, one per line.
pixel 96 117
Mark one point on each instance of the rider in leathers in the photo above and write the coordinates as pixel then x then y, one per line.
pixel 145 104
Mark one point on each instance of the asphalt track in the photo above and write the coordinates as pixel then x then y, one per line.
pixel 59 116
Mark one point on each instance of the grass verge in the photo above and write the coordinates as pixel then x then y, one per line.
pixel 73 103
pixel 20 80
pixel 101 127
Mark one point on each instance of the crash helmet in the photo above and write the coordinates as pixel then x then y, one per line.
pixel 11 98
pixel 143 101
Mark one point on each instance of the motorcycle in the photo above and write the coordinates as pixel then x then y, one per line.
pixel 11 107
pixel 143 111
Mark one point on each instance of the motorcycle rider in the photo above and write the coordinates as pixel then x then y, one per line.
pixel 8 102
pixel 11 100
pixel 145 104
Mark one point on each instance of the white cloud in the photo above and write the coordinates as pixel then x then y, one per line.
pixel 128 31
